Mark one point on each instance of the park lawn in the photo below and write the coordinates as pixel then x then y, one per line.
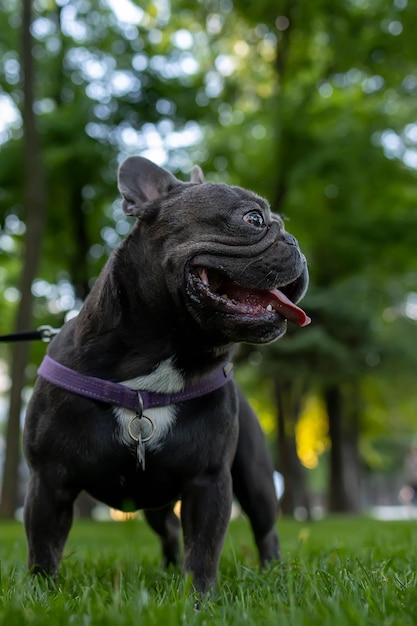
pixel 334 572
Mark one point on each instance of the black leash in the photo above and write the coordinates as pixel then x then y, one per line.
pixel 44 333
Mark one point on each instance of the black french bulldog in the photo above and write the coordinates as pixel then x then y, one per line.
pixel 207 265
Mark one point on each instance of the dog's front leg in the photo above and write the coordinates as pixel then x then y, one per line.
pixel 48 514
pixel 205 515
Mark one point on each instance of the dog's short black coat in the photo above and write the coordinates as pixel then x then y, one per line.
pixel 199 272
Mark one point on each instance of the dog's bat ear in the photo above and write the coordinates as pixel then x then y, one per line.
pixel 140 181
pixel 197 175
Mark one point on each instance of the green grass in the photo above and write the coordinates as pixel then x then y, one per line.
pixel 334 572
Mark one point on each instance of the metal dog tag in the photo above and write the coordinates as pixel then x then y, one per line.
pixel 136 435
pixel 140 453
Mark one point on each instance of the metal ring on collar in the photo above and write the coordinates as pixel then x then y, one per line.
pixel 139 417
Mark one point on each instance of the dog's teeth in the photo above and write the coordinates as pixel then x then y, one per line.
pixel 269 307
pixel 203 276
pixel 225 296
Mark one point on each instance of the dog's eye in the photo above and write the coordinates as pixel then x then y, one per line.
pixel 254 218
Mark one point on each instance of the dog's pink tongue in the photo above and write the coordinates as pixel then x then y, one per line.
pixel 288 309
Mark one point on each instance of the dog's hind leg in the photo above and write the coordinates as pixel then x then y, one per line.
pixel 48 514
pixel 253 484
pixel 167 525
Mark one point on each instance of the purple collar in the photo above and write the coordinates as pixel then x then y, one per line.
pixel 118 394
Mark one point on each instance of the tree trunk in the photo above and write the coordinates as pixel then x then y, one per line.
pixel 79 262
pixel 344 464
pixel 35 202
pixel 353 405
pixel 296 494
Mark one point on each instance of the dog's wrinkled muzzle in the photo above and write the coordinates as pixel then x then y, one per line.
pixel 274 279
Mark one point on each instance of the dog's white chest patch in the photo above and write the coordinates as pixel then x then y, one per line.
pixel 165 379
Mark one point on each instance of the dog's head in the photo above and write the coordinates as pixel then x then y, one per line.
pixel 223 255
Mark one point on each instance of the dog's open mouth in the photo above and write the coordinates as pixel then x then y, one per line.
pixel 235 298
